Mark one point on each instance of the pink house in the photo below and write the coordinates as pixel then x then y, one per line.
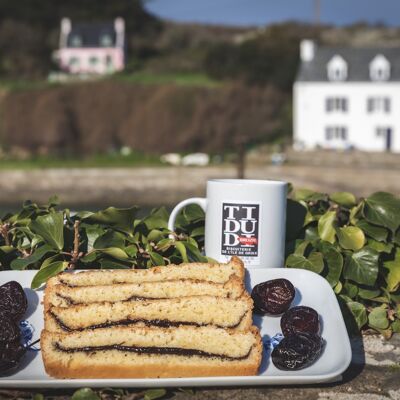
pixel 91 48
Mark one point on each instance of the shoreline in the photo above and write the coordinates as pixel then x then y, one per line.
pixel 155 186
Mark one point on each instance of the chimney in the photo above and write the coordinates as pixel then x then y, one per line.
pixel 119 25
pixel 64 31
pixel 307 50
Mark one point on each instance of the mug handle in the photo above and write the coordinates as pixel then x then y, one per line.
pixel 200 201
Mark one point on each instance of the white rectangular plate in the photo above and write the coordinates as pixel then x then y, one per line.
pixel 311 290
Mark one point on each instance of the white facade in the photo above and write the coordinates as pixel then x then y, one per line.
pixel 341 114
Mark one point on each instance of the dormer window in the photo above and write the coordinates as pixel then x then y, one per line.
pixel 106 40
pixel 337 69
pixel 379 69
pixel 76 41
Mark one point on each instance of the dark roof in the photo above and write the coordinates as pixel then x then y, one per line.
pixel 357 59
pixel 91 34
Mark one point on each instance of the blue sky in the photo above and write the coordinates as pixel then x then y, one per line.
pixel 262 12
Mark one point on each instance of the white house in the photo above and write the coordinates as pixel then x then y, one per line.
pixel 347 98
pixel 91 48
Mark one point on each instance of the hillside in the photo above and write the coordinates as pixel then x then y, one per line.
pixel 186 87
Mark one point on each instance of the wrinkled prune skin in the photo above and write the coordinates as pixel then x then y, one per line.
pixel 273 297
pixel 300 319
pixel 297 351
pixel 9 330
pixel 10 356
pixel 13 300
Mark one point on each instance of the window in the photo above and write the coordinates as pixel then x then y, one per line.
pixel 105 40
pixel 336 104
pixel 76 41
pixel 379 69
pixel 336 132
pixel 73 61
pixel 379 104
pixel 337 68
pixel 93 60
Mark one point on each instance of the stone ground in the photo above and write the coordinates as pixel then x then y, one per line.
pixel 374 374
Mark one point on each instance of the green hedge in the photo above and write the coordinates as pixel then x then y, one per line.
pixel 355 245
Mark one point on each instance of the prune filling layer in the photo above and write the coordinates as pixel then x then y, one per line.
pixel 149 350
pixel 162 323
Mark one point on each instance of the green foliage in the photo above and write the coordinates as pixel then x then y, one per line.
pixel 358 247
pixel 354 246
pixel 51 240
pixel 85 394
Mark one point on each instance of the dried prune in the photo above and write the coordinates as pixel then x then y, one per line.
pixel 13 299
pixel 273 297
pixel 300 319
pixel 10 356
pixel 9 330
pixel 297 351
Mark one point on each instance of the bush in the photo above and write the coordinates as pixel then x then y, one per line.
pixel 354 245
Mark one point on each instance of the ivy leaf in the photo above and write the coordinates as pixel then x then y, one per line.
pixel 383 209
pixel 362 266
pixel 351 237
pixel 114 252
pixel 355 213
pixel 92 233
pixel 345 199
pixel 193 213
pixel 182 251
pixel 396 326
pixel 303 194
pixel 85 394
pixel 326 226
pixel 314 262
pixel 111 264
pixel 334 261
pixel 368 294
pixel 375 232
pixel 377 318
pixel 359 313
pixel 152 394
pixel 350 289
pixel 110 239
pixel 393 275
pixel 165 244
pixel 200 231
pixel 380 247
pixel 302 248
pixel 156 259
pixel 120 218
pixel 51 228
pixel 193 252
pixel 38 254
pixel 45 273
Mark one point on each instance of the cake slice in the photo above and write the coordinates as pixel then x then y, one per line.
pixel 218 273
pixel 143 352
pixel 64 296
pixel 195 311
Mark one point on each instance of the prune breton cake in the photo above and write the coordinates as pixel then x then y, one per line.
pixel 196 311
pixel 218 273
pixel 143 352
pixel 196 321
pixel 63 296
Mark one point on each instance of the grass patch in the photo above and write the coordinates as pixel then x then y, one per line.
pixel 135 159
pixel 181 79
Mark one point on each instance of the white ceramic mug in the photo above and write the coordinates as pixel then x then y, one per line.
pixel 244 217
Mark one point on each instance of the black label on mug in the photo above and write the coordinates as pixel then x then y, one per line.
pixel 240 229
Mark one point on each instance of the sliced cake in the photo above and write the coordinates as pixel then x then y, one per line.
pixel 144 352
pixel 196 311
pixel 64 296
pixel 218 273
